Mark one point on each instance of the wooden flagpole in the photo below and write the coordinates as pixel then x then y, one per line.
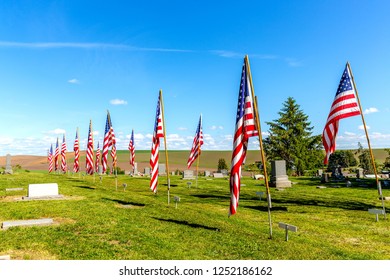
pixel 165 145
pixel 368 140
pixel 257 120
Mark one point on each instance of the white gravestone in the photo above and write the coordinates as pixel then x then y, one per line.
pixel 42 190
pixel 188 175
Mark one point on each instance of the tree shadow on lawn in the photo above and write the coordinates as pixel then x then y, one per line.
pixel 122 202
pixel 185 223
pixel 265 208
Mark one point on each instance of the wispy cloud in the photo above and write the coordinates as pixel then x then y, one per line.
pixel 182 128
pixel 214 127
pixel 73 81
pixel 371 110
pixel 118 102
pixel 361 127
pixel 57 131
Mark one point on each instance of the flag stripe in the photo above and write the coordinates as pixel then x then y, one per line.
pixel 196 144
pixel 157 133
pixel 89 157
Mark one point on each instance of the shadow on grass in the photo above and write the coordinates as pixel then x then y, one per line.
pixel 265 208
pixel 86 187
pixel 211 196
pixel 122 202
pixel 185 223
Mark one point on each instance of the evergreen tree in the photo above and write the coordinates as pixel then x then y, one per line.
pixel 365 159
pixel 291 139
pixel 222 164
pixel 387 160
pixel 342 158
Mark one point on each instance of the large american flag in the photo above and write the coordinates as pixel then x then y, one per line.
pixel 56 155
pixel 245 128
pixel 50 158
pixel 76 149
pixel 157 133
pixel 132 149
pixel 89 158
pixel 97 158
pixel 106 142
pixel 63 155
pixel 196 144
pixel 344 105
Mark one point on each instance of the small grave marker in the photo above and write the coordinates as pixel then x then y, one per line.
pixel 5 257
pixel 176 199
pixel 218 175
pixel 376 212
pixel 124 185
pixel 17 223
pixel 189 184
pixel 14 189
pixel 260 194
pixel 43 190
pixel 287 228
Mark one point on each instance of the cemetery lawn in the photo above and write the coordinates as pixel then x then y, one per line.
pixel 95 221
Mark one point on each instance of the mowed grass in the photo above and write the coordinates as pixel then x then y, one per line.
pixel 96 221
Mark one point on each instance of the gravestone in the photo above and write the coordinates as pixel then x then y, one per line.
pixel 207 173
pixel 135 172
pixel 325 178
pixel 19 223
pixel 147 171
pixel 8 167
pixel 161 169
pixel 217 175
pixel 279 178
pixel 359 173
pixel 188 175
pixel 225 172
pixel 320 172
pixel 42 191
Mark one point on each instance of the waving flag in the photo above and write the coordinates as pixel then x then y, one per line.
pixel 89 159
pixel 106 142
pixel 196 144
pixel 132 149
pixel 63 155
pixel 97 158
pixel 157 133
pixel 76 149
pixel 50 158
pixel 113 146
pixel 56 155
pixel 344 105
pixel 245 128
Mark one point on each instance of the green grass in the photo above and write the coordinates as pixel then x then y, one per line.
pixel 96 221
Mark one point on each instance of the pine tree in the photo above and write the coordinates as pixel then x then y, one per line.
pixel 291 139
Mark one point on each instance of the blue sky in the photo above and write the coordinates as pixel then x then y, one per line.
pixel 63 63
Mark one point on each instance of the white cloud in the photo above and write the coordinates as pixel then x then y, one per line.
pixel 361 127
pixel 74 81
pixel 57 131
pixel 182 128
pixel 118 102
pixel 349 133
pixel 371 110
pixel 214 127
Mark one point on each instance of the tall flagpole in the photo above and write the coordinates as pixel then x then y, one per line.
pixel 257 119
pixel 368 141
pixel 165 144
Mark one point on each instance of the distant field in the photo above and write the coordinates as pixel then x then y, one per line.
pixel 177 159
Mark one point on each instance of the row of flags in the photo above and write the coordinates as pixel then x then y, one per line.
pixel 92 165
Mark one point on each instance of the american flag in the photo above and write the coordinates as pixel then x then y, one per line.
pixel 63 155
pixel 196 144
pixel 113 146
pixel 50 158
pixel 76 149
pixel 344 105
pixel 132 149
pixel 157 133
pixel 106 142
pixel 97 158
pixel 56 155
pixel 89 158
pixel 245 128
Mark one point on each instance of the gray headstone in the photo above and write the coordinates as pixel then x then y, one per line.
pixel 135 168
pixel 147 171
pixel 161 169
pixel 207 173
pixel 325 178
pixel 8 167
pixel 188 175
pixel 320 172
pixel 217 175
pixel 38 222
pixel 279 178
pixel 225 172
pixel 359 173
